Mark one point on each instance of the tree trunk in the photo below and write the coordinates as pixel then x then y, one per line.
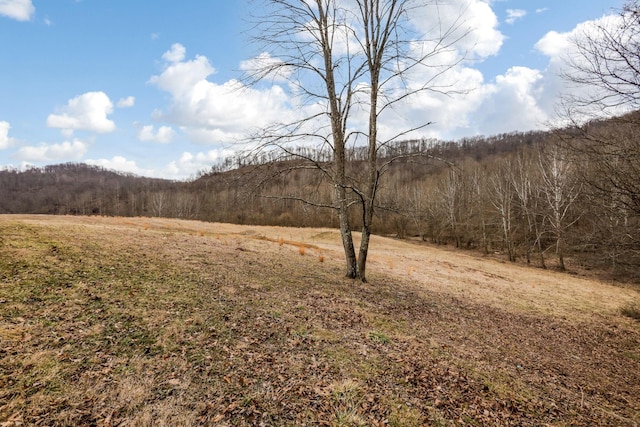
pixel 345 234
pixel 362 256
pixel 539 243
pixel 560 254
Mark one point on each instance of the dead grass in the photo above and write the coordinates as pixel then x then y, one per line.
pixel 111 321
pixel 631 310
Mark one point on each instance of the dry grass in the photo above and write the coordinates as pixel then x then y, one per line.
pixel 631 310
pixel 112 321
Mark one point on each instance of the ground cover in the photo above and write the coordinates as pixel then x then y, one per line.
pixel 138 321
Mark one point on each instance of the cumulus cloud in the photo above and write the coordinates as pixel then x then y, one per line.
pixel 446 113
pixel 5 140
pixel 209 136
pixel 127 102
pixel 560 47
pixel 21 10
pixel 175 54
pixel 456 88
pixel 485 38
pixel 164 135
pixel 554 44
pixel 68 150
pixel 199 106
pixel 512 103
pixel 88 111
pixel 475 24
pixel 188 164
pixel 519 99
pixel 561 50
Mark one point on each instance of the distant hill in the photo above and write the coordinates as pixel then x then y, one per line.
pixel 81 189
pixel 76 189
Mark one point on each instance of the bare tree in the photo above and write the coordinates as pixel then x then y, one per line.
pixel 604 66
pixel 450 191
pixel 502 198
pixel 526 184
pixel 159 202
pixel 349 62
pixel 560 191
pixel 604 73
pixel 478 193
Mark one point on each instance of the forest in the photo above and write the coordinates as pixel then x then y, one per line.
pixel 563 199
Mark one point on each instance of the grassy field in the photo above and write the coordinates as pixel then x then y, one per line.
pixel 140 322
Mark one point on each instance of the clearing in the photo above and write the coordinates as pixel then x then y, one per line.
pixel 141 321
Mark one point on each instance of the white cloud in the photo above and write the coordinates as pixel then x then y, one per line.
pixel 88 111
pixel 121 164
pixel 5 140
pixel 485 38
pixel 476 23
pixel 199 106
pixel 265 60
pixel 209 112
pixel 164 135
pixel 514 14
pixel 214 113
pixel 127 102
pixel 512 103
pixel 176 54
pixel 21 10
pixel 456 89
pixel 515 101
pixel 189 164
pixel 180 78
pixel 560 46
pixel 447 113
pixel 554 44
pixel 520 99
pixel 207 136
pixel 73 150
pixel 561 50
pixel 186 166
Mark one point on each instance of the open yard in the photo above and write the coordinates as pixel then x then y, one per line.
pixel 140 322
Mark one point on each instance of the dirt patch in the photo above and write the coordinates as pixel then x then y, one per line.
pixel 112 321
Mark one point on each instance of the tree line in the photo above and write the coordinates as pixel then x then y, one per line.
pixel 531 197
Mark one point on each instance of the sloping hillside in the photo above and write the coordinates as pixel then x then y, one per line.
pixel 137 321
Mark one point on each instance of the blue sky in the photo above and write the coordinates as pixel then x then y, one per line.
pixel 113 82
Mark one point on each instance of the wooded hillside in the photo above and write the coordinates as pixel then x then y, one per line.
pixel 535 197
